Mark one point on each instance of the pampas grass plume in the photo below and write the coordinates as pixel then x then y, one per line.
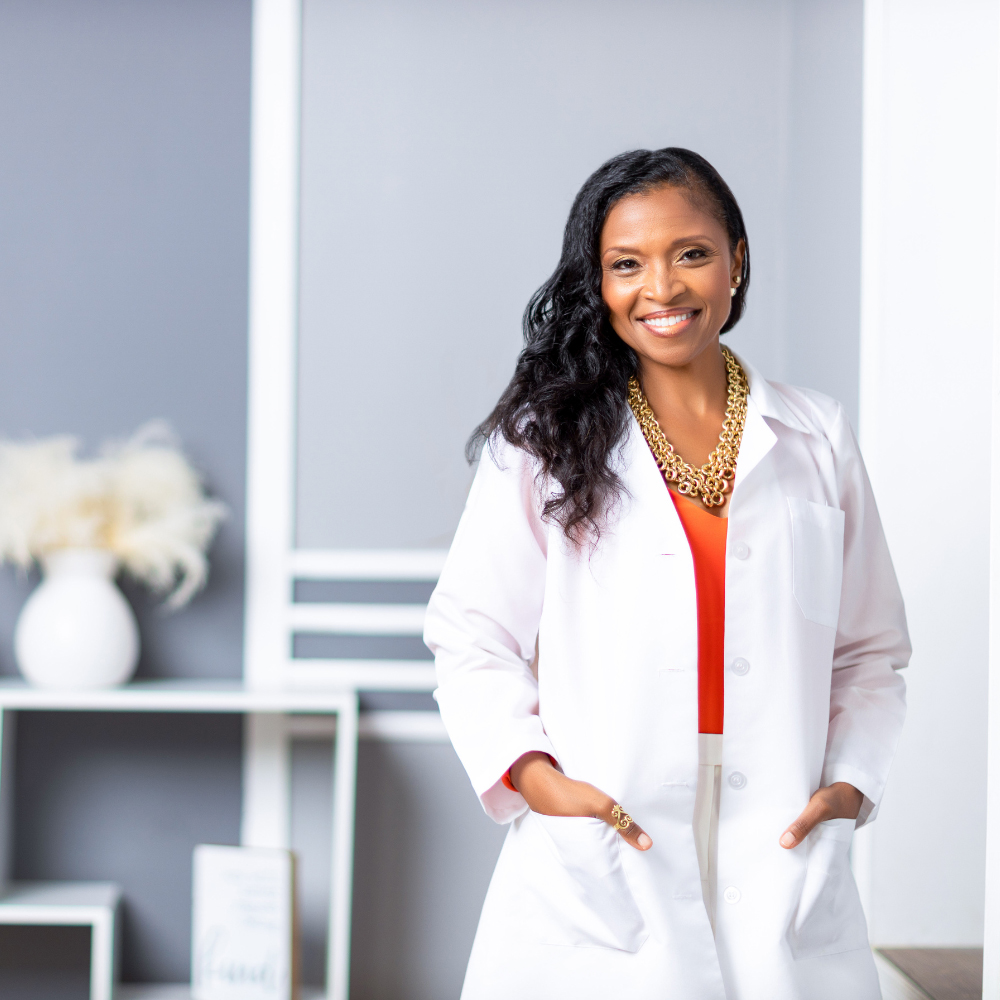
pixel 139 499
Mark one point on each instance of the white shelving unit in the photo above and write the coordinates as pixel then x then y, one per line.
pixel 175 696
pixel 271 716
pixel 181 991
pixel 71 904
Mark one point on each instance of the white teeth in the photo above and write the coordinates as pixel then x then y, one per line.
pixel 665 322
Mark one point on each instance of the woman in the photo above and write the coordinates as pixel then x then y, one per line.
pixel 669 598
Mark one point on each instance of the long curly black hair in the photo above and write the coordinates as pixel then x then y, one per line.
pixel 567 403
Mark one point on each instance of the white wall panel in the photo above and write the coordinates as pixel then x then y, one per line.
pixel 927 334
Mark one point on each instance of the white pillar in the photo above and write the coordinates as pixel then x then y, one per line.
pixel 991 929
pixel 273 308
pixel 928 323
pixel 267 781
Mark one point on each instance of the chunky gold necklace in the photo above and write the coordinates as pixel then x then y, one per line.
pixel 713 479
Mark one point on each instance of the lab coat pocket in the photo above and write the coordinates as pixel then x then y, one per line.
pixel 580 896
pixel 817 559
pixel 829 918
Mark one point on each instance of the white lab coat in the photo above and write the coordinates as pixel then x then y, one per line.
pixel 815 634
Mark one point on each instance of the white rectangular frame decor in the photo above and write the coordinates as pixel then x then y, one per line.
pixel 889 117
pixel 991 928
pixel 274 166
pixel 272 564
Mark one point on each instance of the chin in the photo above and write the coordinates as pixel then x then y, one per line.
pixel 676 353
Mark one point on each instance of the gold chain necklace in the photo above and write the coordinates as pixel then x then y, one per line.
pixel 713 479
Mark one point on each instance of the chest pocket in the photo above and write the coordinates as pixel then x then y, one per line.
pixel 817 559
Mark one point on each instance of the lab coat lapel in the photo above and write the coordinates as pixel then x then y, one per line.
pixel 648 491
pixel 758 440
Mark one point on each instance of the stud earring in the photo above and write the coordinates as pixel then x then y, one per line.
pixel 732 292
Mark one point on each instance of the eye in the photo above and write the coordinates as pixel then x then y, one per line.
pixel 625 265
pixel 694 253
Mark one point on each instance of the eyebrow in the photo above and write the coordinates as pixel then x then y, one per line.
pixel 683 239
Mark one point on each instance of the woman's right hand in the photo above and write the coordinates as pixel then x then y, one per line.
pixel 551 793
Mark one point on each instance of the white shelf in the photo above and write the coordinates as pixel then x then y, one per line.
pixel 362 675
pixel 266 793
pixel 181 991
pixel 61 903
pixel 174 696
pixel 358 619
pixel 366 564
pixel 153 991
pixel 88 904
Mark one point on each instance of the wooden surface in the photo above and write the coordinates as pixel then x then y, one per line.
pixel 942 973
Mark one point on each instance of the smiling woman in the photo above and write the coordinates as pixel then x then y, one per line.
pixel 572 376
pixel 671 272
pixel 649 511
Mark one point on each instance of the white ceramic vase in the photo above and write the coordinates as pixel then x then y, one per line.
pixel 77 630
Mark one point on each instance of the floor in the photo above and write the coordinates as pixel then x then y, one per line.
pixel 930 973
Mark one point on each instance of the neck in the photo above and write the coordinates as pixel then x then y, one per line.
pixel 697 390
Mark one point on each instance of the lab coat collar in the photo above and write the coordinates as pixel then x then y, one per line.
pixel 767 399
pixel 758 436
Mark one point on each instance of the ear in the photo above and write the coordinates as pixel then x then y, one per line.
pixel 736 268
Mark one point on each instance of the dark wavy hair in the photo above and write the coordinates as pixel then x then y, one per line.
pixel 567 402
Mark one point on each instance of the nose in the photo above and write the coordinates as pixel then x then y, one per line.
pixel 663 282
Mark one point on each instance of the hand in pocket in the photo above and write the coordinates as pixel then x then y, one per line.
pixel 549 792
pixel 837 801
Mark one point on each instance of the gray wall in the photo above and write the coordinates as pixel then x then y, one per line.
pixel 442 146
pixel 424 855
pixel 822 251
pixel 123 277
pixel 127 797
pixel 44 963
pixel 124 185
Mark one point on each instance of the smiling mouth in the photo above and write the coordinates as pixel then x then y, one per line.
pixel 663 324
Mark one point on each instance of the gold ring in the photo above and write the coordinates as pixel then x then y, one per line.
pixel 622 819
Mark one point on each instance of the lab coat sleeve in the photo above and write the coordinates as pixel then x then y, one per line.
pixel 868 696
pixel 482 622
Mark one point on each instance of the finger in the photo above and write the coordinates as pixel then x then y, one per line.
pixel 627 828
pixel 816 811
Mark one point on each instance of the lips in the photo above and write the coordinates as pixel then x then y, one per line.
pixel 666 323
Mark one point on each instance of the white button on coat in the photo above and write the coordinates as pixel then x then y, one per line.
pixel 740 666
pixel 737 780
pixel 732 894
pixel 573 911
pixel 741 550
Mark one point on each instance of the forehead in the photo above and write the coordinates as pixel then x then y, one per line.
pixel 662 214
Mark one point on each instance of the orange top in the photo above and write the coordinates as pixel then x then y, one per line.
pixel 706 534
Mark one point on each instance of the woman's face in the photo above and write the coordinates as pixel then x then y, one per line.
pixel 667 274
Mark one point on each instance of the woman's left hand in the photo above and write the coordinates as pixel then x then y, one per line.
pixel 837 801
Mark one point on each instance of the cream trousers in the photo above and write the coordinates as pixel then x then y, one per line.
pixel 706 817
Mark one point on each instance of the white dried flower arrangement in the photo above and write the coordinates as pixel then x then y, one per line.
pixel 139 499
